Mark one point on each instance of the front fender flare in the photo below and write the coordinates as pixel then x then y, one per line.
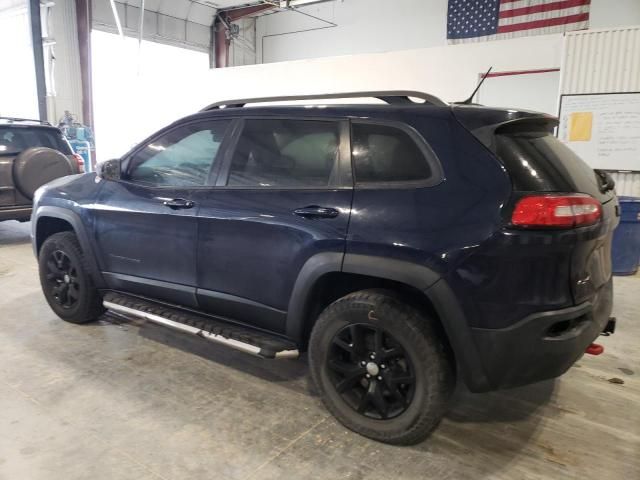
pixel 79 229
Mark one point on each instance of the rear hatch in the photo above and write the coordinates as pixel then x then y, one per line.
pixel 14 139
pixel 538 163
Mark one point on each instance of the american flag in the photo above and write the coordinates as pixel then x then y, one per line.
pixel 473 20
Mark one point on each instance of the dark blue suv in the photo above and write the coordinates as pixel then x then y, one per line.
pixel 401 244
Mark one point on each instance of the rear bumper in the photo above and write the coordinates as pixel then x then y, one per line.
pixel 543 345
pixel 21 213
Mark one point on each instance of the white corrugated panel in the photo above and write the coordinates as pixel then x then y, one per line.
pixel 65 92
pixel 604 61
pixel 627 183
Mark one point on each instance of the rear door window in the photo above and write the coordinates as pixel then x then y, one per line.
pixel 286 153
pixel 382 153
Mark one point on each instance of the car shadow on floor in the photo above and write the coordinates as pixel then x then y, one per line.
pixel 514 405
pixel 292 374
pixel 498 425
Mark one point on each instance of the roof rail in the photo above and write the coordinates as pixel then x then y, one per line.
pixel 15 119
pixel 392 97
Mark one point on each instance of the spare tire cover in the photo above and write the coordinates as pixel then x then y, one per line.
pixel 39 165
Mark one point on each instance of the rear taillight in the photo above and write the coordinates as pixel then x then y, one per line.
pixel 556 211
pixel 80 161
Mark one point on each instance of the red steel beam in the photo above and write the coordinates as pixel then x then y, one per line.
pixel 238 13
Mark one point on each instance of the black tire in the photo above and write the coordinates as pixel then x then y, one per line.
pixel 36 166
pixel 65 280
pixel 412 410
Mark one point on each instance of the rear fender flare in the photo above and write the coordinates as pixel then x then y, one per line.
pixel 420 277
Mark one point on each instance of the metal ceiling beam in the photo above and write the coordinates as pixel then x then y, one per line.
pixel 83 22
pixel 38 57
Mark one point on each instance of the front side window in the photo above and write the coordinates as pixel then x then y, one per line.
pixel 182 157
pixel 383 153
pixel 286 154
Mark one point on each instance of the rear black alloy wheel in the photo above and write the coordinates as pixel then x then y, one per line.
pixel 62 278
pixel 65 279
pixel 371 371
pixel 381 366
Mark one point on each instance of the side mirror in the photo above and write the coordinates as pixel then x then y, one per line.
pixel 109 170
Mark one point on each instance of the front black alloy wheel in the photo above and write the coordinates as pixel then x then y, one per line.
pixel 371 371
pixel 381 366
pixel 65 279
pixel 62 279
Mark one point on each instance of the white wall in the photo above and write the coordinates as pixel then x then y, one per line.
pixel 173 82
pixel 367 26
pixel 450 72
pixel 364 26
pixel 614 13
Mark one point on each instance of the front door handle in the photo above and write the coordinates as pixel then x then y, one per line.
pixel 315 211
pixel 178 203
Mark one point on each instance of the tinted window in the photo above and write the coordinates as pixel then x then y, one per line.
pixel 183 157
pixel 538 161
pixel 14 140
pixel 285 153
pixel 386 154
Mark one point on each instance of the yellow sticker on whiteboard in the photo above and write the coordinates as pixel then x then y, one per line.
pixel 580 124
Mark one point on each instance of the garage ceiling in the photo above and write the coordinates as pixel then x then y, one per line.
pixel 199 11
pixel 184 23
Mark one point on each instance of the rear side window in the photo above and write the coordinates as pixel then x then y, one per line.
pixel 383 153
pixel 286 154
pixel 15 139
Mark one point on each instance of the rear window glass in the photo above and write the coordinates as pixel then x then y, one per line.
pixel 538 161
pixel 15 139
pixel 382 153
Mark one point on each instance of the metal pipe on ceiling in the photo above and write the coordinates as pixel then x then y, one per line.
pixel 116 17
pixel 140 27
pixel 140 23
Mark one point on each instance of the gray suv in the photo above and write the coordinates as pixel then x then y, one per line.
pixel 32 153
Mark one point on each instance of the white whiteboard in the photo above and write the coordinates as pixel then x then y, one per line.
pixel 529 90
pixel 604 129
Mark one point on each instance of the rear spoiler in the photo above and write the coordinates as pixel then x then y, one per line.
pixel 484 123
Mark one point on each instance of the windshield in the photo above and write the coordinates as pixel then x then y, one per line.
pixel 14 139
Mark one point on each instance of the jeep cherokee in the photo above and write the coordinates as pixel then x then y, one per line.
pixel 400 244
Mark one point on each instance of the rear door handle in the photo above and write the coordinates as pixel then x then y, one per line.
pixel 178 203
pixel 315 211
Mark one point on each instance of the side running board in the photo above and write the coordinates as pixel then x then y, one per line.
pixel 241 338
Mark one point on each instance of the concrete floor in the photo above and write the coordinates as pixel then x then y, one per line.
pixel 128 400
